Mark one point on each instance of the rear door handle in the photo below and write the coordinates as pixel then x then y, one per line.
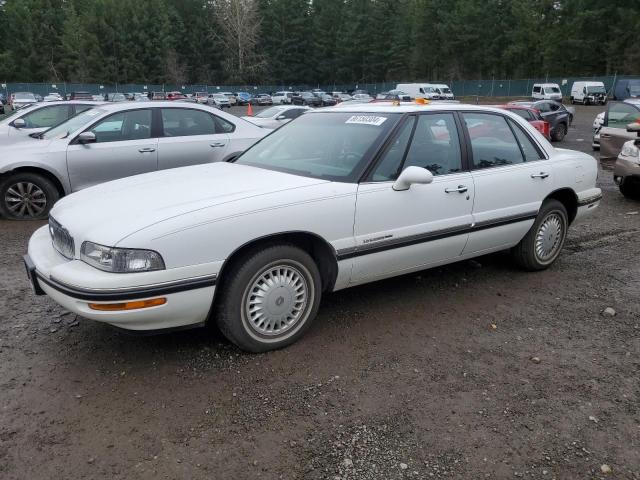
pixel 542 175
pixel 217 144
pixel 146 150
pixel 460 189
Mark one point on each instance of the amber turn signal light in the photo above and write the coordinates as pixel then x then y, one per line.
pixel 138 304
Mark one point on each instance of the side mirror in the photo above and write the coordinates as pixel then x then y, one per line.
pixel 19 123
pixel 411 175
pixel 632 127
pixel 281 117
pixel 87 137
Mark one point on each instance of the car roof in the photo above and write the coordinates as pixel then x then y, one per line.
pixel 118 106
pixel 408 108
pixel 635 101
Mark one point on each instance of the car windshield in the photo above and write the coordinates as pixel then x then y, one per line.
pixel 71 125
pixel 551 90
pixel 596 89
pixel 329 146
pixel 445 90
pixel 269 112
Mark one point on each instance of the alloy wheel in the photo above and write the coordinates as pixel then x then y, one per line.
pixel 25 200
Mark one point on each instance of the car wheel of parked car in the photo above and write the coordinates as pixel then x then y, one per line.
pixel 630 189
pixel 269 298
pixel 542 244
pixel 27 196
pixel 559 133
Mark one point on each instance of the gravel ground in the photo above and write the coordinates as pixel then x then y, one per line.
pixel 474 370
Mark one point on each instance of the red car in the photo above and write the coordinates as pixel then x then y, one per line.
pixel 175 96
pixel 532 116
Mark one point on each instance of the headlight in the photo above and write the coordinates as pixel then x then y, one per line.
pixel 630 150
pixel 120 260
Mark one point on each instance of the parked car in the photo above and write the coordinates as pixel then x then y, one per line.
pixel 262 99
pixel 53 97
pixel 328 100
pixel 97 98
pixel 115 97
pixel 282 98
pixel 230 97
pixel 626 88
pixel 546 91
pixel 201 97
pixel 306 98
pixel 219 100
pixel 626 172
pixel 558 116
pixel 39 97
pixel 277 116
pixel 531 115
pixel 588 93
pixel 362 97
pixel 139 97
pixel 37 118
pixel 175 96
pixel 82 96
pixel 614 133
pixel 243 98
pixel 394 95
pixel 597 125
pixel 335 199
pixel 116 140
pixel 20 100
pixel 341 96
pixel 427 91
pixel 158 96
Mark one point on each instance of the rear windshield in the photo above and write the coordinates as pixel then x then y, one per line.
pixel 24 96
pixel 329 146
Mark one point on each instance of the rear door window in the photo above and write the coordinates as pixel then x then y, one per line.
pixel 184 122
pixel 493 143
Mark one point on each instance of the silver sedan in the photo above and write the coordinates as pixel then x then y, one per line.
pixel 113 141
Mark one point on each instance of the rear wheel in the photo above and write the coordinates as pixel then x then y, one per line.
pixel 559 133
pixel 630 189
pixel 270 298
pixel 542 244
pixel 27 196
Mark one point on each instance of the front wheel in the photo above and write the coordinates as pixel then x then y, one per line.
pixel 270 298
pixel 542 244
pixel 630 189
pixel 27 196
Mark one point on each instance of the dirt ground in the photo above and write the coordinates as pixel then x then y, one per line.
pixel 475 370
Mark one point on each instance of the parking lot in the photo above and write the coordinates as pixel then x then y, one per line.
pixel 474 370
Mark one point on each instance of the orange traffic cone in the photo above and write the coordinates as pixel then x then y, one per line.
pixel 249 110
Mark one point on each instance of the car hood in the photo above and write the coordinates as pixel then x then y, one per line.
pixel 109 212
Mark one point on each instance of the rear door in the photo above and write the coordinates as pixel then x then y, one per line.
pixel 613 133
pixel 401 231
pixel 512 176
pixel 124 146
pixel 191 136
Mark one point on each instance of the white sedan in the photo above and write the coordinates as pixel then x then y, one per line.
pixel 275 117
pixel 335 199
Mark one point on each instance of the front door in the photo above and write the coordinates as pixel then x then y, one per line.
pixel 511 175
pixel 124 146
pixel 191 137
pixel 613 133
pixel 403 231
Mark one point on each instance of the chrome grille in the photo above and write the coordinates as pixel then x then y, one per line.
pixel 62 241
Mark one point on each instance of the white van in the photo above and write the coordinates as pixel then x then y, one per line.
pixel 546 91
pixel 588 93
pixel 426 90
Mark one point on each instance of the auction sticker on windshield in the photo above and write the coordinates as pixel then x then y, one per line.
pixel 367 120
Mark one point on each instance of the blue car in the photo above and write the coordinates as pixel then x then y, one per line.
pixel 243 98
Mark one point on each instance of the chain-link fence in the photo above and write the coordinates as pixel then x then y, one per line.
pixel 482 88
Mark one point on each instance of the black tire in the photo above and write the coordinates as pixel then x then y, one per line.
pixel 573 102
pixel 630 189
pixel 232 315
pixel 42 195
pixel 559 133
pixel 526 255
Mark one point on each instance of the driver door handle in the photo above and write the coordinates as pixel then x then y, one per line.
pixel 217 144
pixel 542 175
pixel 460 189
pixel 146 150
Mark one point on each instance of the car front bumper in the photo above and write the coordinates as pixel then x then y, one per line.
pixel 188 299
pixel 625 168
